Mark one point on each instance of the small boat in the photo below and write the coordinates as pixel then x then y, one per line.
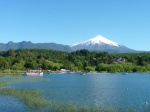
pixel 37 72
pixel 83 73
pixel 125 73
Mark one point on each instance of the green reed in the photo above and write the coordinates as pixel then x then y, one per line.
pixel 32 98
pixel 72 107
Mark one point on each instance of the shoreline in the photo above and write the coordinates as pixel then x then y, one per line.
pixel 20 72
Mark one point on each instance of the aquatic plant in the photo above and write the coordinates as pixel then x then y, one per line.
pixel 30 97
pixel 73 107
pixel 3 83
pixel 22 79
pixel 2 75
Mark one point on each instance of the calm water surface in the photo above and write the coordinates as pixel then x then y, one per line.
pixel 101 90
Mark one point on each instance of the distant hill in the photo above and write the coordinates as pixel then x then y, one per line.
pixel 99 43
pixel 30 45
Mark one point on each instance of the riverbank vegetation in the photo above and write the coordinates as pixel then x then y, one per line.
pixel 15 61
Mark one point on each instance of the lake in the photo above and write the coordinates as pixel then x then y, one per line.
pixel 117 91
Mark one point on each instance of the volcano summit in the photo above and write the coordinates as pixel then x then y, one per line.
pixel 100 43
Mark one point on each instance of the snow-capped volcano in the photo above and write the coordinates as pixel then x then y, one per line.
pixel 99 43
pixel 100 40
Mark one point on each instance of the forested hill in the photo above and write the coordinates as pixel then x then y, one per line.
pixel 81 60
pixel 30 45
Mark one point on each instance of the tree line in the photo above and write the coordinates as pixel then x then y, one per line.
pixel 80 60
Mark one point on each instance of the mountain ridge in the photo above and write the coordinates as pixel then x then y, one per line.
pixel 30 45
pixel 98 43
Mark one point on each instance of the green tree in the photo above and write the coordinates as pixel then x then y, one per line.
pixel 89 68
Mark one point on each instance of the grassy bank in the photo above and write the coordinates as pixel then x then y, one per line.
pixel 10 72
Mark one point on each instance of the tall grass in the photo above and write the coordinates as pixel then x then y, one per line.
pixel 3 83
pixel 72 107
pixel 30 97
pixel 23 79
pixel 2 75
pixel 8 71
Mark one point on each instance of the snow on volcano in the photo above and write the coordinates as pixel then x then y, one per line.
pixel 100 40
pixel 100 43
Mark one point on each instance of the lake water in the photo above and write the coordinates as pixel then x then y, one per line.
pixel 101 90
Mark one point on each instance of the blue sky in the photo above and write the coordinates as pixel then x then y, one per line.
pixel 71 21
